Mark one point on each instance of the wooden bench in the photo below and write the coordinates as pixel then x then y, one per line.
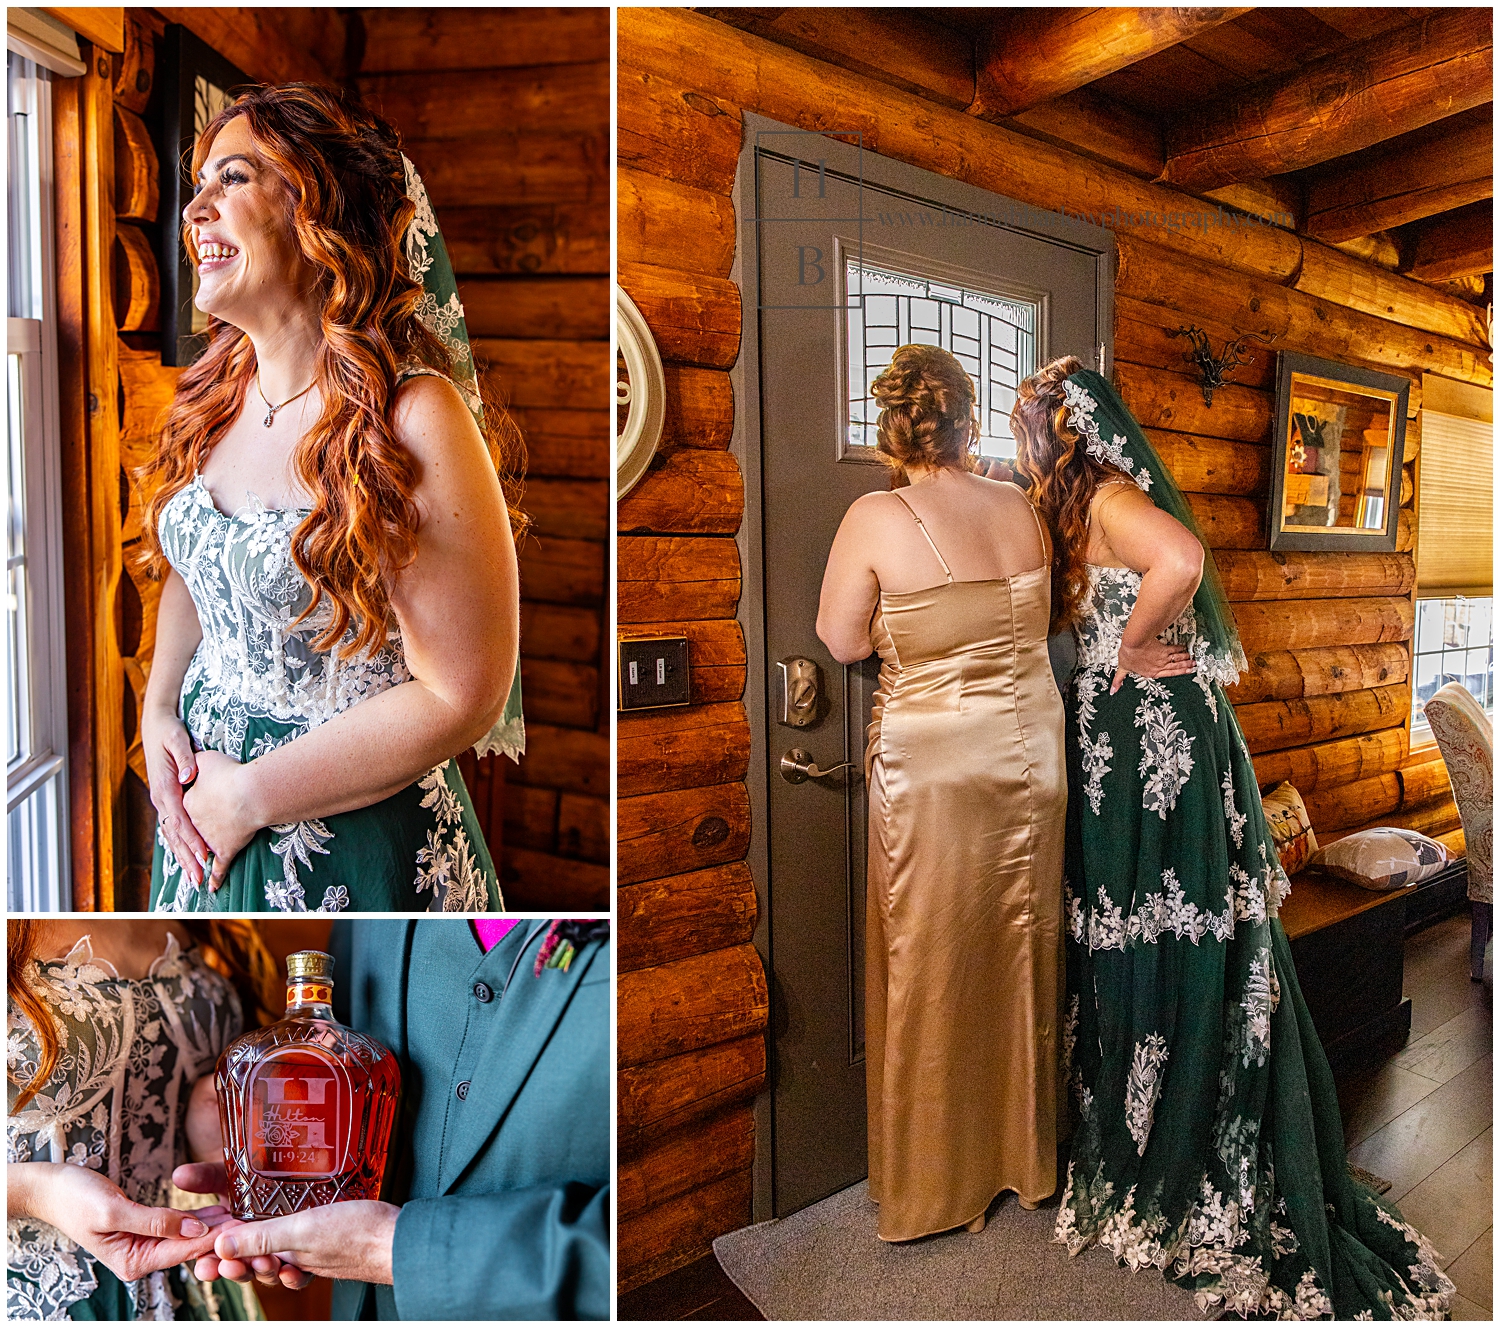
pixel 1348 944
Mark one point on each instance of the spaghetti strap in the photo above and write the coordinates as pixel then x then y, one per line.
pixel 923 528
pixel 1040 529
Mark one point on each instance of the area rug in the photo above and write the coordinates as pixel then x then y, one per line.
pixel 827 1262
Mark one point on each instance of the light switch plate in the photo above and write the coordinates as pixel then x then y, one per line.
pixel 654 672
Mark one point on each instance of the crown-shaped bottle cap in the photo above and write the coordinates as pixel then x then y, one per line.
pixel 309 964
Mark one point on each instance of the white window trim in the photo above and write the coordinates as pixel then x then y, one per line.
pixel 34 337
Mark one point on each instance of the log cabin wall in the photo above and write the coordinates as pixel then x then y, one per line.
pixel 692 997
pixel 505 113
pixel 1326 702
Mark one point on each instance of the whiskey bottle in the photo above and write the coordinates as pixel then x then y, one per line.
pixel 306 1105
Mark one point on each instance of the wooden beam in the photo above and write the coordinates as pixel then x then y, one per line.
pixel 1376 89
pixel 1432 170
pixel 1331 274
pixel 1029 56
pixel 1084 122
pixel 103 26
pixel 732 71
pixel 459 38
pixel 1457 244
pixel 254 40
pixel 897 46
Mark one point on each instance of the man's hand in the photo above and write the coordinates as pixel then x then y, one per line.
pixel 205 1142
pixel 130 1239
pixel 350 1240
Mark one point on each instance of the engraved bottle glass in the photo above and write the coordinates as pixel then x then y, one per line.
pixel 306 1105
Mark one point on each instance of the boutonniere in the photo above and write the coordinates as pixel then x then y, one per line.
pixel 564 940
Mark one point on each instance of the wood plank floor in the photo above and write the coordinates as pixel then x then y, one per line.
pixel 1422 1120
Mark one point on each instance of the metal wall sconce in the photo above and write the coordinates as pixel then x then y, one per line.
pixel 1213 369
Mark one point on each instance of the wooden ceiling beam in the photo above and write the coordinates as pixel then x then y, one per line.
pixel 1432 170
pixel 1457 244
pixel 1373 91
pixel 900 47
pixel 1029 56
pixel 1088 124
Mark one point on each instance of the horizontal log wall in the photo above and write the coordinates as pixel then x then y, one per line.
pixel 693 996
pixel 1325 703
pixel 506 116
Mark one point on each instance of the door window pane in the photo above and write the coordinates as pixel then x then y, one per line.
pixel 992 337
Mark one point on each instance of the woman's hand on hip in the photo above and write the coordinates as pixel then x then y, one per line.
pixel 219 806
pixel 171 763
pixel 1155 659
pixel 130 1239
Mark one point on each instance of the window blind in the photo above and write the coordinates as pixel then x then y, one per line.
pixel 1455 490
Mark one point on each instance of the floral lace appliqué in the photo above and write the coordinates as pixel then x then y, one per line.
pixel 116 1103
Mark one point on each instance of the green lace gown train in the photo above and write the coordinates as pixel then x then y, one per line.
pixel 1208 1141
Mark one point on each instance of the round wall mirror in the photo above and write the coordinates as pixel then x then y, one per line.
pixel 640 395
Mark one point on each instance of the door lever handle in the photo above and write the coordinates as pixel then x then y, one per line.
pixel 798 766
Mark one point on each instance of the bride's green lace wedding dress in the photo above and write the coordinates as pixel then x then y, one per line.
pixel 256 682
pixel 1208 1141
pixel 116 1102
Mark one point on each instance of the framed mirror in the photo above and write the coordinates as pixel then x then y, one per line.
pixel 1336 455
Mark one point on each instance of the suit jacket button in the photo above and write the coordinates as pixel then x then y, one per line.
pixel 463 1090
pixel 483 993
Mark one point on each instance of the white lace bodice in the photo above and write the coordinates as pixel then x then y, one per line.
pixel 116 1102
pixel 252 661
pixel 1106 608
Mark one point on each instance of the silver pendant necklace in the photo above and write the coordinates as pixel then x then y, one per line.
pixel 270 409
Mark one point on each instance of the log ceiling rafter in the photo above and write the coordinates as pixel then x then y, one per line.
pixel 1366 202
pixel 1457 244
pixel 1031 55
pixel 1441 167
pixel 1341 103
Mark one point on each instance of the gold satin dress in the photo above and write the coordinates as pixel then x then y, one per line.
pixel 963 979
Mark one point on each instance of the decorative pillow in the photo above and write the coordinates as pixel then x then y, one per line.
pixel 1383 858
pixel 1286 818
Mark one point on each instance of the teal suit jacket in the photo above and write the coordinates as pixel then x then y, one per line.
pixel 500 1154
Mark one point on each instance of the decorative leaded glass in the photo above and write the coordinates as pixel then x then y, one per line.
pixel 994 338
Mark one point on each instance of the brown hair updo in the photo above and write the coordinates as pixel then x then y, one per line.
pixel 1061 476
pixel 927 411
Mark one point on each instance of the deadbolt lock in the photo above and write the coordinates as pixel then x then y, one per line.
pixel 800 692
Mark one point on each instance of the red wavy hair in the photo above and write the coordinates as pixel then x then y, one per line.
pixel 348 209
pixel 1062 477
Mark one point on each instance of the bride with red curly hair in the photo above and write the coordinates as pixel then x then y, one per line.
pixel 340 611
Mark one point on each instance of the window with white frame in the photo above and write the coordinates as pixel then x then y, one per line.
pixel 1454 642
pixel 36 737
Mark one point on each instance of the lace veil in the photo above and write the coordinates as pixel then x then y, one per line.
pixel 441 311
pixel 1096 411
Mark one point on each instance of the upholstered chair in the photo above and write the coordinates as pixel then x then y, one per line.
pixel 1466 739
